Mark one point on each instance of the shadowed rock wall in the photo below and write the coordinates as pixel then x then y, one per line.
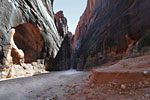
pixel 103 28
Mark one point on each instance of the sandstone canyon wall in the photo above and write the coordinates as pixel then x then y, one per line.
pixel 107 28
pixel 38 33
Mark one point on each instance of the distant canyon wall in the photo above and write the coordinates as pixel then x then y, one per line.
pixel 62 61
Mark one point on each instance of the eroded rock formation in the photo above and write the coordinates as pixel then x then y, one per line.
pixel 21 14
pixel 30 37
pixel 36 33
pixel 61 24
pixel 14 55
pixel 103 28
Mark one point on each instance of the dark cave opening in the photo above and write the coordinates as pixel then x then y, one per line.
pixel 28 38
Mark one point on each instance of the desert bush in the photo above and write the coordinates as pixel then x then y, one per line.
pixel 145 49
pixel 144 41
pixel 92 53
pixel 133 55
pixel 125 64
pixel 141 46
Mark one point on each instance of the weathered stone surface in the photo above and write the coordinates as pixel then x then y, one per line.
pixel 22 70
pixel 30 14
pixel 29 39
pixel 61 24
pixel 103 28
pixel 16 54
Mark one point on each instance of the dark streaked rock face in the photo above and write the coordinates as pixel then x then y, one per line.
pixel 63 58
pixel 103 29
pixel 38 13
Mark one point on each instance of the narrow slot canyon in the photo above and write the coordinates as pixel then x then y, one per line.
pixel 74 50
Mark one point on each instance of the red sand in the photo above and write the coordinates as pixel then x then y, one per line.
pixel 127 80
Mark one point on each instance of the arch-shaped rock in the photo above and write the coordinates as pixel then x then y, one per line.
pixel 39 13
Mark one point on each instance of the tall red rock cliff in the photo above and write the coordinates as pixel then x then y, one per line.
pixel 39 33
pixel 103 29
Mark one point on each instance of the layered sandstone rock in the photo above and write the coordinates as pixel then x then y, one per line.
pixel 36 33
pixel 105 29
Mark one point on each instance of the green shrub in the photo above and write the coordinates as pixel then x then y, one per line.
pixel 133 55
pixel 145 49
pixel 92 53
pixel 125 64
pixel 144 41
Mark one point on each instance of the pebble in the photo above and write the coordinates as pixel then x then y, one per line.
pixel 73 93
pixel 78 88
pixel 120 93
pixel 92 85
pixel 145 72
pixel 65 95
pixel 48 99
pixel 73 86
pixel 146 82
pixel 123 86
pixel 61 85
pixel 89 96
pixel 147 95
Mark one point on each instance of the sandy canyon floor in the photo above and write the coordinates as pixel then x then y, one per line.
pixel 127 80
